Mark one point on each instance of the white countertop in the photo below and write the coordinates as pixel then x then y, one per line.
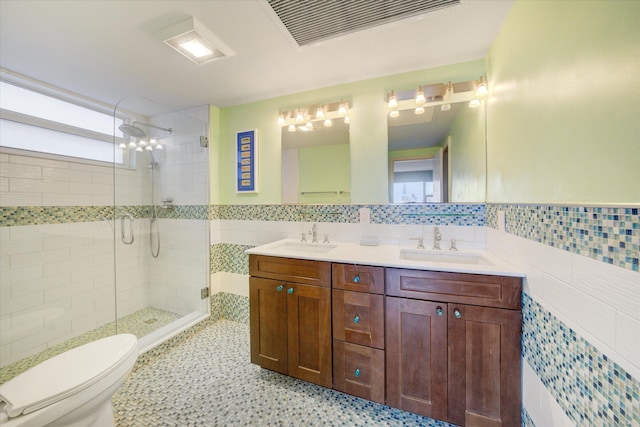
pixel 471 261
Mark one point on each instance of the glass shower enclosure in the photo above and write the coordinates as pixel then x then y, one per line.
pixel 91 248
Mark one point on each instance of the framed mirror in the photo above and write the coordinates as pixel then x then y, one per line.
pixel 438 154
pixel 316 164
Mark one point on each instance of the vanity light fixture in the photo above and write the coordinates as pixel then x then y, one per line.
pixel 123 145
pixel 281 119
pixel 132 144
pixel 481 87
pixel 419 110
pixel 299 116
pixel 148 148
pixel 320 112
pixel 328 123
pixel 153 142
pixel 393 101
pixel 291 128
pixel 139 149
pixel 342 108
pixel 394 113
pixel 159 147
pixel 420 99
pixel 347 120
pixel 194 41
pixel 474 103
pixel 448 94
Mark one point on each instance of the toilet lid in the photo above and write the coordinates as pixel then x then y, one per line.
pixel 65 374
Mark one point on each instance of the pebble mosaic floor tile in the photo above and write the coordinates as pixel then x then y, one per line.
pixel 140 323
pixel 209 381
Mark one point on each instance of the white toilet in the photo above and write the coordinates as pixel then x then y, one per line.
pixel 70 389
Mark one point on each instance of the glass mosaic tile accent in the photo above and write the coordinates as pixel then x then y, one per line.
pixel 207 380
pixel 37 215
pixel 526 419
pixel 431 213
pixel 235 307
pixel 230 258
pixel 591 389
pixel 137 323
pixel 607 234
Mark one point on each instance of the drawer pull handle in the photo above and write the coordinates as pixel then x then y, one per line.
pixel 290 291
pixel 439 311
pixel 457 314
pixel 356 279
pixel 357 373
pixel 356 318
pixel 279 288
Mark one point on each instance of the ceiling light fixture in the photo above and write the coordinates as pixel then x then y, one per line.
pixel 393 101
pixel 420 99
pixel 481 88
pixel 194 41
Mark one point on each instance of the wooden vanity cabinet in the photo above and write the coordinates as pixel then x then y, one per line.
pixel 358 331
pixel 453 346
pixel 290 317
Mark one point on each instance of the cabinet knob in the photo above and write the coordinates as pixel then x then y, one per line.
pixel 357 373
pixel 356 279
pixel 290 291
pixel 356 318
pixel 279 288
pixel 457 314
pixel 439 311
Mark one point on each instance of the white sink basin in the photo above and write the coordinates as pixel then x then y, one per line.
pixel 447 257
pixel 314 248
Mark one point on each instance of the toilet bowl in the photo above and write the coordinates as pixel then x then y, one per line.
pixel 71 389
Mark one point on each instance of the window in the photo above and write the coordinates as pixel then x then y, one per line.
pixel 36 121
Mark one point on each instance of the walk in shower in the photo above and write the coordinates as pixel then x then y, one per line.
pixel 97 244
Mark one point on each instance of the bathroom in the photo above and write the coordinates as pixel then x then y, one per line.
pixel 562 155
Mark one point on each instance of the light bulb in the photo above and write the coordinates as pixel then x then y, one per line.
pixel 347 120
pixel 159 147
pixel 320 112
pixel 419 110
pixel 309 126
pixel 153 141
pixel 142 143
pixel 292 128
pixel 474 103
pixel 394 113
pixel 132 144
pixel 299 116
pixel 481 89
pixel 148 148
pixel 123 145
pixel 420 99
pixel 139 149
pixel 393 101
pixel 445 107
pixel 328 123
pixel 448 93
pixel 281 120
pixel 342 109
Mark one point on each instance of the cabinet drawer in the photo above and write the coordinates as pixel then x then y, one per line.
pixel 358 278
pixel 358 318
pixel 358 370
pixel 317 273
pixel 474 289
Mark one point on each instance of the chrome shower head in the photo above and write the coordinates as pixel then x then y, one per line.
pixel 132 130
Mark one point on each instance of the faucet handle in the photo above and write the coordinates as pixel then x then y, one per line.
pixel 303 238
pixel 420 241
pixel 453 245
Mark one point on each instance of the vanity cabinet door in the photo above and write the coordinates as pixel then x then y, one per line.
pixel 309 333
pixel 416 354
pixel 484 366
pixel 268 323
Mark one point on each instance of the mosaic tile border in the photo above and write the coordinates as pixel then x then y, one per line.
pixel 429 213
pixel 526 419
pixel 590 388
pixel 38 215
pixel 607 234
pixel 230 258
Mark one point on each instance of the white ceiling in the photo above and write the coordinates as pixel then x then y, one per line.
pixel 105 49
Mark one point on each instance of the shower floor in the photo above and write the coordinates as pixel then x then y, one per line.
pixel 140 323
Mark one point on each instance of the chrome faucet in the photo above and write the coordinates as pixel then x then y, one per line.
pixel 436 238
pixel 420 242
pixel 314 233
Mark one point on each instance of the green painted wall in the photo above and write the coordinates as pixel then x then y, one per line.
pixel 368 133
pixel 564 105
pixel 324 168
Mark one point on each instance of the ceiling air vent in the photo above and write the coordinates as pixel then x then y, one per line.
pixel 311 21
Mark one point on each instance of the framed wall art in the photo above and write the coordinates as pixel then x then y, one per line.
pixel 247 161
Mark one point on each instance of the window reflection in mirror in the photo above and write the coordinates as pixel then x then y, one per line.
pixel 437 156
pixel 316 164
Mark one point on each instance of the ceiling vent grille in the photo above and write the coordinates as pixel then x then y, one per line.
pixel 312 21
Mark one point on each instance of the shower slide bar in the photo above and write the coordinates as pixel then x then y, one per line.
pixel 126 241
